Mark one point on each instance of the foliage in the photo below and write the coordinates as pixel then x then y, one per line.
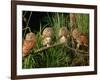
pixel 83 22
pixel 59 56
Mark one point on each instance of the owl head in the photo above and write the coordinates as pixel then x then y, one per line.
pixel 47 32
pixel 75 33
pixel 83 39
pixel 63 32
pixel 30 36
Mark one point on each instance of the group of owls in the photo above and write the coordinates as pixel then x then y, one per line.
pixel 48 34
pixel 47 37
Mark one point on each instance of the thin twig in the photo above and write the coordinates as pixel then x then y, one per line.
pixel 27 28
pixel 24 14
pixel 28 19
pixel 28 23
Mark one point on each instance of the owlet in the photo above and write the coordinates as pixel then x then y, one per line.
pixel 28 43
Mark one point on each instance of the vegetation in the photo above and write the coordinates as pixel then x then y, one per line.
pixel 58 56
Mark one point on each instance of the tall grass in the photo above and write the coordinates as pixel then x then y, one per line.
pixel 83 22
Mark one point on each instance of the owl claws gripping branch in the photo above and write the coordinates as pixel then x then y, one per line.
pixel 28 43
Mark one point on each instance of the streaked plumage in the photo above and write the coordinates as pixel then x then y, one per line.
pixel 63 34
pixel 75 34
pixel 47 36
pixel 28 44
pixel 47 32
pixel 80 38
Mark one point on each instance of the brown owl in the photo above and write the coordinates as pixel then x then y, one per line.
pixel 75 34
pixel 28 43
pixel 80 38
pixel 63 34
pixel 83 39
pixel 47 36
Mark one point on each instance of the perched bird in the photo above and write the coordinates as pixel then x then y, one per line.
pixel 63 34
pixel 83 39
pixel 80 38
pixel 75 34
pixel 47 36
pixel 28 43
pixel 75 38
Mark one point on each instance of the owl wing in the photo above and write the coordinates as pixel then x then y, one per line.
pixel 27 46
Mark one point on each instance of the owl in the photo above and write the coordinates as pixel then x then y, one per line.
pixel 79 38
pixel 47 36
pixel 28 43
pixel 83 39
pixel 75 34
pixel 63 34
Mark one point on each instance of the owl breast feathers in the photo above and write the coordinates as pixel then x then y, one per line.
pixel 29 43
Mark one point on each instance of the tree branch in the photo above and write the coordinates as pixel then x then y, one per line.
pixel 58 44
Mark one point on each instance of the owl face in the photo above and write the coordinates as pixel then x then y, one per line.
pixel 47 32
pixel 30 36
pixel 75 34
pixel 63 32
pixel 83 39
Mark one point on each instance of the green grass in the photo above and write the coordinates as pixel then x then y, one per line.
pixel 58 56
pixel 83 22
